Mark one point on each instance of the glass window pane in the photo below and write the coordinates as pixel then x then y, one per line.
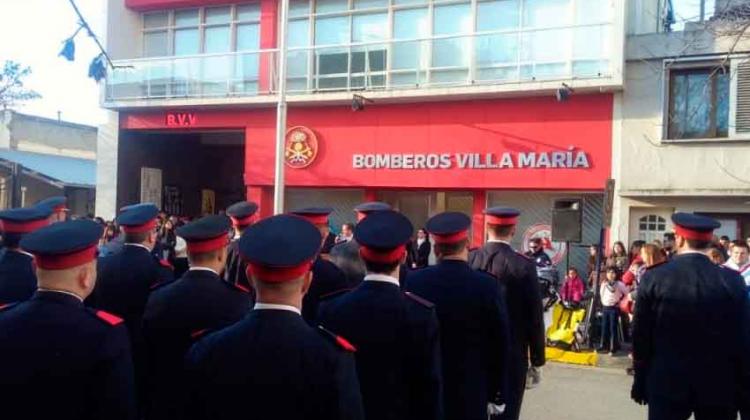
pixel 156 20
pixel 186 17
pixel 400 2
pixel 369 4
pixel 218 15
pixel 453 19
pixel 496 49
pixel 698 105
pixel 498 14
pixel 155 44
pixel 299 33
pixel 249 11
pixel 327 6
pixel 299 8
pixel 551 45
pixel 330 31
pixel 546 13
pixel 722 106
pixel 591 42
pixel 593 11
pixel 217 39
pixel 248 37
pixel 678 98
pixel 410 24
pixel 370 27
pixel 186 42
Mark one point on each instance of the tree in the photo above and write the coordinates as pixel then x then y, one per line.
pixel 12 90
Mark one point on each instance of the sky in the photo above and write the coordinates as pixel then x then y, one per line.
pixel 32 32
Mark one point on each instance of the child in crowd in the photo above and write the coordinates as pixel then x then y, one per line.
pixel 611 292
pixel 572 289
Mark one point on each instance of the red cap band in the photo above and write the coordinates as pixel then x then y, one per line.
pixel 385 257
pixel 196 247
pixel 361 215
pixel 146 227
pixel 277 274
pixel 500 220
pixel 61 262
pixel 316 219
pixel 23 227
pixel 242 221
pixel 59 208
pixel 693 234
pixel 451 238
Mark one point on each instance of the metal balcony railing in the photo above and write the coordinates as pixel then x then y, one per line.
pixel 564 53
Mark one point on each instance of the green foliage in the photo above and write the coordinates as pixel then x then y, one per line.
pixel 12 90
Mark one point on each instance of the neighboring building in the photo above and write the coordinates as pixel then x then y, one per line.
pixel 429 105
pixel 51 158
pixel 683 130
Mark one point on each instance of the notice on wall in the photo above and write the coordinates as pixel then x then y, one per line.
pixel 151 185
pixel 208 202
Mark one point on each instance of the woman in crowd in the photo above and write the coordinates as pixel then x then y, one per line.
pixel 635 250
pixel 419 255
pixel 167 240
pixel 611 293
pixel 619 257
pixel 573 288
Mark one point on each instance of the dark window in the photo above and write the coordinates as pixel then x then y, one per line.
pixel 699 103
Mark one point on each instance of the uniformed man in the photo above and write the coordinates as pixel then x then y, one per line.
pixel 17 273
pixel 243 214
pixel 127 277
pixel 346 255
pixel 271 365
pixel 326 277
pixel 690 316
pixel 58 359
pixel 473 318
pixel 180 312
pixel 395 333
pixel 517 275
pixel 58 207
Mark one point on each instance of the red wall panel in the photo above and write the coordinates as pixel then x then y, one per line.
pixel 514 126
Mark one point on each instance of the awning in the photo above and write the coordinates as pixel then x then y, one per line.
pixel 63 170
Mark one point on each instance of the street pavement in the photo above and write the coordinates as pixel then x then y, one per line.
pixel 576 393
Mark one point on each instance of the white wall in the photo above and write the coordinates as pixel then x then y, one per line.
pixel 106 167
pixel 123 36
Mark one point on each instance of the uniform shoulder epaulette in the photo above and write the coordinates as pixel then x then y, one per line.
pixel 420 300
pixel 198 334
pixel 334 294
pixel 166 264
pixel 651 267
pixel 236 286
pixel 6 306
pixel 337 339
pixel 107 317
pixel 160 284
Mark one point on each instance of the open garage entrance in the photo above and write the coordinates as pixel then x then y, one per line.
pixel 189 173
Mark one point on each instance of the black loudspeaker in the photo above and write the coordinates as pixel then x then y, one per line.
pixel 566 220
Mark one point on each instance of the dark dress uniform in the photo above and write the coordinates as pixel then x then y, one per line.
pixel 473 319
pixel 242 215
pixel 327 279
pixel 517 275
pixel 690 317
pixel 58 359
pixel 17 276
pixel 395 333
pixel 17 270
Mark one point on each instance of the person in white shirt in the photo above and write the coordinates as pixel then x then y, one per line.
pixel 611 293
pixel 739 260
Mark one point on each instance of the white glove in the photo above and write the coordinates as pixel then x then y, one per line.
pixel 533 377
pixel 494 409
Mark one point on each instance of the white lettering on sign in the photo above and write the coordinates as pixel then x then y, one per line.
pixel 570 159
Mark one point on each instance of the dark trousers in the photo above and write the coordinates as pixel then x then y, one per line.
pixel 668 410
pixel 610 317
pixel 516 387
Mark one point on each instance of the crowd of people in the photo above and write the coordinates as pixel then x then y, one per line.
pixel 232 316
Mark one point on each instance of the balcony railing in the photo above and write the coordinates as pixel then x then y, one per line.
pixel 580 52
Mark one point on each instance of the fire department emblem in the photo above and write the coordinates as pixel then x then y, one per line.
pixel 301 147
pixel 555 250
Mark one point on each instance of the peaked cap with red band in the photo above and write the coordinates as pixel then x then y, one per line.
pixel 314 215
pixel 694 226
pixel 364 209
pixel 64 245
pixel 242 213
pixel 501 216
pixel 383 235
pixel 24 220
pixel 138 218
pixel 280 248
pixel 449 227
pixel 54 204
pixel 206 234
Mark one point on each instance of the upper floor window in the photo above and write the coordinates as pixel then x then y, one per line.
pixel 677 14
pixel 698 103
pixel 207 30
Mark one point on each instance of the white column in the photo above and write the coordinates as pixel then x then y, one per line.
pixel 106 167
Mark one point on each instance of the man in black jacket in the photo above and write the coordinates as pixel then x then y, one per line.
pixel 689 332
pixel 243 214
pixel 180 312
pixel 471 309
pixel 272 365
pixel 517 274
